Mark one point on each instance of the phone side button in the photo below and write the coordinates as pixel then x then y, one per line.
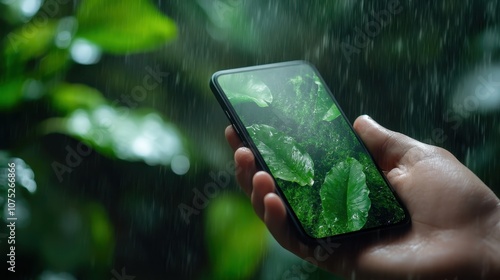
pixel 239 135
pixel 236 129
pixel 231 121
pixel 228 116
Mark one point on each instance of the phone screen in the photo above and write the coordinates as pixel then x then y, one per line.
pixel 325 175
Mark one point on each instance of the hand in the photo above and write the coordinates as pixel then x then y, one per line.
pixel 455 229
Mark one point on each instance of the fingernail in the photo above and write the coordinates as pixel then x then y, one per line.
pixel 371 119
pixel 244 149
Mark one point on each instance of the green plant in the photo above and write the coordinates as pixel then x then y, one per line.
pixel 320 166
pixel 59 125
pixel 283 155
pixel 234 237
pixel 241 88
pixel 344 197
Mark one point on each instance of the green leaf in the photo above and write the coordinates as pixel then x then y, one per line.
pixel 11 93
pixel 69 97
pixel 124 133
pixel 315 102
pixel 124 26
pixel 332 113
pixel 236 238
pixel 54 62
pixel 29 41
pixel 286 160
pixel 241 88
pixel 345 197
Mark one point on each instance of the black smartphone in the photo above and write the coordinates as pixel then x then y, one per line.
pixel 287 116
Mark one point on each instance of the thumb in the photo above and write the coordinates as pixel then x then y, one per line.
pixel 387 147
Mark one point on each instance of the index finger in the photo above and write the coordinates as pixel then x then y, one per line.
pixel 232 138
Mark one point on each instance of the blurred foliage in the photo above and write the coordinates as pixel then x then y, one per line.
pixel 67 98
pixel 63 63
pixel 235 238
pixel 11 93
pixel 113 25
pixel 75 233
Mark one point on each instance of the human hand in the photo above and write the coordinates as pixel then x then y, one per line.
pixel 455 230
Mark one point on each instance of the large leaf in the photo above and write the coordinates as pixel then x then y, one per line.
pixel 236 238
pixel 124 26
pixel 124 133
pixel 285 158
pixel 315 102
pixel 70 97
pixel 344 197
pixel 241 88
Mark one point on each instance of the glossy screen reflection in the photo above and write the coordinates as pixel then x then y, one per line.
pixel 321 168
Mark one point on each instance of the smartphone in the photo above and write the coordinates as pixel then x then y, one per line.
pixel 287 116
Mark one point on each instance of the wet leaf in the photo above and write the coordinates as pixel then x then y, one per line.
pixel 286 160
pixel 324 109
pixel 344 197
pixel 70 97
pixel 241 88
pixel 126 134
pixel 236 238
pixel 317 104
pixel 124 26
pixel 331 114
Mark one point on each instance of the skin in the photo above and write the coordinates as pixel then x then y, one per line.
pixel 455 217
